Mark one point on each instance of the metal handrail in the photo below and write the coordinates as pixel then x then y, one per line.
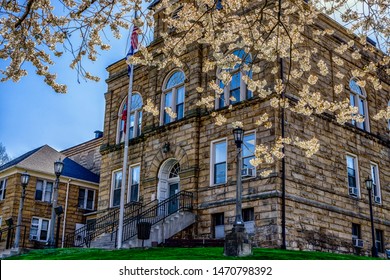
pixel 11 235
pixel 105 224
pixel 183 200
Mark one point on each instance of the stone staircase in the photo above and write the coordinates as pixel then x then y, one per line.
pixel 164 230
pixel 165 219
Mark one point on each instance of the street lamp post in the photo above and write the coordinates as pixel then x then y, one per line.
pixel 237 242
pixel 58 167
pixel 374 250
pixel 24 177
pixel 238 222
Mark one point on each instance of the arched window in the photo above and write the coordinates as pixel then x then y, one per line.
pixel 358 98
pixel 173 97
pixel 135 118
pixel 236 90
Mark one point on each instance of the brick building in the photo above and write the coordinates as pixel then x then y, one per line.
pixel 326 202
pixel 77 194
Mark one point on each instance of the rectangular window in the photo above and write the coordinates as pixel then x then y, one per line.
pixel 248 148
pixel 116 188
pixel 379 240
pixel 218 162
pixel 3 187
pixel 134 183
pixel 168 103
pixel 248 216
pixel 180 103
pixel 86 199
pixel 375 183
pixel 39 229
pixel 219 225
pixel 353 180
pixel 357 241
pixel 43 190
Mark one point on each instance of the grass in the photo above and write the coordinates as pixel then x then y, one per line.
pixel 210 253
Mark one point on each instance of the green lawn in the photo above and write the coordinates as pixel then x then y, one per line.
pixel 210 253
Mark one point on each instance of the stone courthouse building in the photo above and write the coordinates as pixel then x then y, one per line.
pixel 326 201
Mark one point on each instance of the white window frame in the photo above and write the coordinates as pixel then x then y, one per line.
pixel 113 187
pixel 212 160
pixel 1 221
pixel 137 112
pixel 358 99
pixel 375 183
pixel 356 168
pixel 130 182
pixel 242 154
pixel 44 186
pixel 173 91
pixel 85 199
pixel 40 220
pixel 3 188
pixel 226 90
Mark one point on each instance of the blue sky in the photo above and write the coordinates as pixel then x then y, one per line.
pixel 32 114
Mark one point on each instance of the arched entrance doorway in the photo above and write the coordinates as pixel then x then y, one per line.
pixel 169 183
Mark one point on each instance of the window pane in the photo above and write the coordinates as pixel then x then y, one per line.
pixel 118 180
pixel 136 101
pixel 220 173
pixel 249 143
pixel 350 162
pixel 139 123
pixel 135 174
pixel 134 192
pixel 49 191
pixel 180 95
pixel 220 152
pixel 235 88
pixel 175 79
pixel 351 178
pixel 180 111
pixel 117 196
pixel 90 196
pixel 39 189
pixel 355 87
pixel 246 162
pixel 81 198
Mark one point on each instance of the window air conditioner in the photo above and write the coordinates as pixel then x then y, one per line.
pixel 33 237
pixel 353 191
pixel 247 172
pixel 377 199
pixel 357 243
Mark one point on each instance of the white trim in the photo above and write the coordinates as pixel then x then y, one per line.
pixel 254 168
pixel 136 118
pixel 173 91
pixel 357 98
pixel 356 166
pixel 377 183
pixel 40 220
pixel 212 153
pixel 130 180
pixel 112 186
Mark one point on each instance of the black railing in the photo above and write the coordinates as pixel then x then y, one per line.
pixel 7 237
pixel 154 214
pixel 105 224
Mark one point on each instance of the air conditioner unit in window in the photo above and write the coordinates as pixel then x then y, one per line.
pixel 357 243
pixel 247 172
pixel 377 199
pixel 33 237
pixel 353 191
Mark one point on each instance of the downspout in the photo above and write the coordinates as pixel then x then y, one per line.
pixel 65 211
pixel 283 165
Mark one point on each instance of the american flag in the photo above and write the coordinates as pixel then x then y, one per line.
pixel 133 44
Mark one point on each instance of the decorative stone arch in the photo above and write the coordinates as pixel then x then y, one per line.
pixel 176 152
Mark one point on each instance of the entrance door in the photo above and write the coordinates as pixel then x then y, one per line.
pixel 173 204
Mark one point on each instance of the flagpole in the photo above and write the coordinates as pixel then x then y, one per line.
pixel 125 155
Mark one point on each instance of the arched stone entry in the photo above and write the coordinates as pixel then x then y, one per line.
pixel 169 182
